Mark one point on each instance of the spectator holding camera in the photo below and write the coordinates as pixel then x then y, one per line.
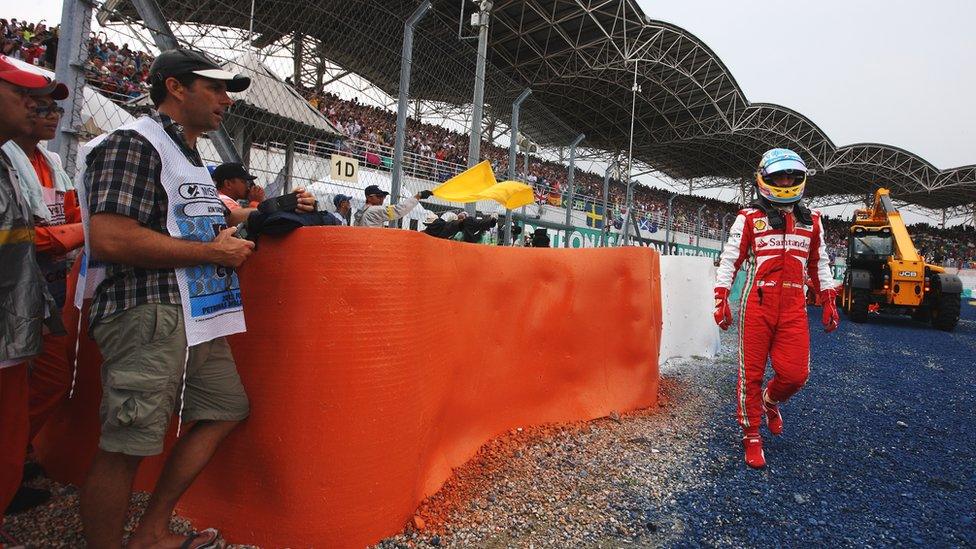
pixel 166 244
pixel 376 214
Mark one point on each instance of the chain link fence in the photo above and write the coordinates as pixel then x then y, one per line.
pixel 322 100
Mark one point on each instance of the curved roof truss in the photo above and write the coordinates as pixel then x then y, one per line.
pixel 693 122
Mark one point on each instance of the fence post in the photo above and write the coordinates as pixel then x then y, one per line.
pixel 572 187
pixel 667 227
pixel 606 198
pixel 474 145
pixel 629 205
pixel 512 158
pixel 725 225
pixel 525 179
pixel 698 227
pixel 290 166
pixel 403 97
pixel 75 27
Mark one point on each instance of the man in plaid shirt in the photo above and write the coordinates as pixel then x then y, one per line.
pixel 137 314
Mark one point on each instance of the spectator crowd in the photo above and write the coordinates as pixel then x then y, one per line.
pixel 33 43
pixel 119 72
pixel 439 153
pixel 951 246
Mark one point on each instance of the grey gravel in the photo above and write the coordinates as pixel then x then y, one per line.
pixel 845 474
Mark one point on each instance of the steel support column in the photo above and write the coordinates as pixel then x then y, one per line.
pixel 667 227
pixel 299 54
pixel 698 227
pixel 403 98
pixel 474 146
pixel 572 186
pixel 629 206
pixel 725 225
pixel 512 159
pixel 72 52
pixel 606 203
pixel 525 179
pixel 290 166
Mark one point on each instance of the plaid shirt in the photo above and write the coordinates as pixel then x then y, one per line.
pixel 122 176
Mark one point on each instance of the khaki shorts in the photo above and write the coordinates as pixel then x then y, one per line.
pixel 144 349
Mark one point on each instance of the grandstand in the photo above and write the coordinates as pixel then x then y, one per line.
pixel 693 125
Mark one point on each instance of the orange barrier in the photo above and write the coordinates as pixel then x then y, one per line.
pixel 377 360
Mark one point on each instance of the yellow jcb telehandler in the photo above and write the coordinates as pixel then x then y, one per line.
pixel 885 270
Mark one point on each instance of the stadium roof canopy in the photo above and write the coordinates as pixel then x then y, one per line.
pixel 579 57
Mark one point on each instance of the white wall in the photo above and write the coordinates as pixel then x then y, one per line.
pixel 686 302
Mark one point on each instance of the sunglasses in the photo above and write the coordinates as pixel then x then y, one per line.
pixel 48 110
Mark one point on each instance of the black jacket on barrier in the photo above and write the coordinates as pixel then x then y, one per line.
pixel 259 223
pixel 473 228
pixel 443 229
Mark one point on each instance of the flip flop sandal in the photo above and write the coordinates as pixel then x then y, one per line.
pixel 206 539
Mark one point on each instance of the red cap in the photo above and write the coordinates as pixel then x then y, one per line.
pixel 25 79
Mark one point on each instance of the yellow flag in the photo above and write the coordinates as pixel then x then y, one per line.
pixel 478 183
pixel 511 194
pixel 464 186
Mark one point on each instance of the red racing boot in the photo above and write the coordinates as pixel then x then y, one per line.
pixel 754 451
pixel 774 420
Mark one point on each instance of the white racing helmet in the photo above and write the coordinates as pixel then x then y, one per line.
pixel 776 164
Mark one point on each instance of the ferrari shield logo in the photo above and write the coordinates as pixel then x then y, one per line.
pixel 760 224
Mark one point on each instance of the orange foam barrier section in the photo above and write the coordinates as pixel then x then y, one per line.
pixel 378 360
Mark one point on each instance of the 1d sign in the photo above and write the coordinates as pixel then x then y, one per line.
pixel 344 168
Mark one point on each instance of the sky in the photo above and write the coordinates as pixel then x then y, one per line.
pixel 897 72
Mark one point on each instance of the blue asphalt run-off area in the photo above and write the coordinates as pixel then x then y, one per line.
pixel 879 448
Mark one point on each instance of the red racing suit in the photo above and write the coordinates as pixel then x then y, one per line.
pixel 772 315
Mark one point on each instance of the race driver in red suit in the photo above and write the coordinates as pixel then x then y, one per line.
pixel 781 243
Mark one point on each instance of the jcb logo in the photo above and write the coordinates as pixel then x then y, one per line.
pixel 907 274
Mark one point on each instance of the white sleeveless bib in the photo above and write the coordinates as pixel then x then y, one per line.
pixel 210 294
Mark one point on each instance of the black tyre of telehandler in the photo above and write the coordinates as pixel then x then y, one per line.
pixel 859 305
pixel 945 315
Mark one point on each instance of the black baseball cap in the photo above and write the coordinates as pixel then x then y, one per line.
pixel 182 61
pixel 339 199
pixel 375 189
pixel 231 170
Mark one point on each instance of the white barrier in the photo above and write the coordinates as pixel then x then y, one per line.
pixel 686 304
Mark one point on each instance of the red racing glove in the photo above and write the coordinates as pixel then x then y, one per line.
pixel 828 300
pixel 722 313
